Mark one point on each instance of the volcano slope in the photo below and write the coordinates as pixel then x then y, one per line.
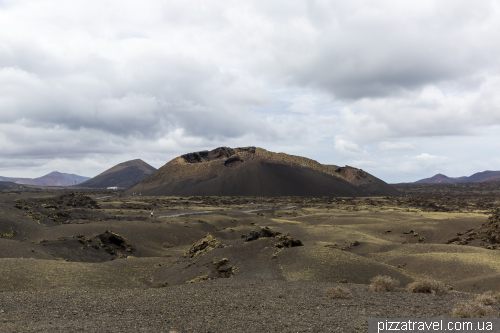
pixel 367 182
pixel 99 262
pixel 247 171
pixel 122 175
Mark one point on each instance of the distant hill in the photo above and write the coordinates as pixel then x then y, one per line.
pixel 485 176
pixel 13 179
pixel 9 186
pixel 122 175
pixel 440 178
pixel 52 179
pixel 248 171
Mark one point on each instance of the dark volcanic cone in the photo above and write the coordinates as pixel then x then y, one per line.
pixel 122 175
pixel 246 171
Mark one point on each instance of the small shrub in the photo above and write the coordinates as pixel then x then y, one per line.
pixel 429 286
pixel 488 298
pixel 338 292
pixel 167 245
pixel 472 309
pixel 383 283
pixel 199 279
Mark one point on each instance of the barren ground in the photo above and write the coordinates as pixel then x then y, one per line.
pixel 97 261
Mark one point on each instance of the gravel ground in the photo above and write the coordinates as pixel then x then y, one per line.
pixel 223 305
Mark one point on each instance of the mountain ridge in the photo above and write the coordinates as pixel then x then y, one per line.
pixel 483 176
pixel 55 178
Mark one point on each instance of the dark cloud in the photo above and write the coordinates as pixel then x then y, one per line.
pixel 375 49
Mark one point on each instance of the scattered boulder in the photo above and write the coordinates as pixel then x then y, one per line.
pixel 287 241
pixel 114 242
pixel 264 232
pixel 283 240
pixel 205 244
pixel 224 269
pixel 111 242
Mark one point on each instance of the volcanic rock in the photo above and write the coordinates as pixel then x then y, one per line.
pixel 264 232
pixel 284 240
pixel 77 200
pixel 490 230
pixel 203 245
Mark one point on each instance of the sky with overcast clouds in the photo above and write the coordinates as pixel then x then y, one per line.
pixel 401 89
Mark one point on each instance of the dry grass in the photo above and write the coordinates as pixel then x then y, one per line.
pixel 199 279
pixel 338 292
pixel 472 310
pixel 488 298
pixel 382 283
pixel 427 286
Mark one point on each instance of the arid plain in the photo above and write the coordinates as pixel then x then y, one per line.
pixel 97 256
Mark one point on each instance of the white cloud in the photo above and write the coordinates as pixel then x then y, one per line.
pixel 428 157
pixel 347 148
pixel 396 146
pixel 302 104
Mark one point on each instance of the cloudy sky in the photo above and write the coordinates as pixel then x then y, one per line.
pixel 401 89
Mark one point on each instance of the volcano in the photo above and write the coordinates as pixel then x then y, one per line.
pixel 247 171
pixel 122 175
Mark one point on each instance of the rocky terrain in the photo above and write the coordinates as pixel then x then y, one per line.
pixel 98 261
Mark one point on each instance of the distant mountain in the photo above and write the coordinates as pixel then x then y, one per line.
pixel 247 171
pixel 485 176
pixel 440 178
pixel 123 175
pixel 52 179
